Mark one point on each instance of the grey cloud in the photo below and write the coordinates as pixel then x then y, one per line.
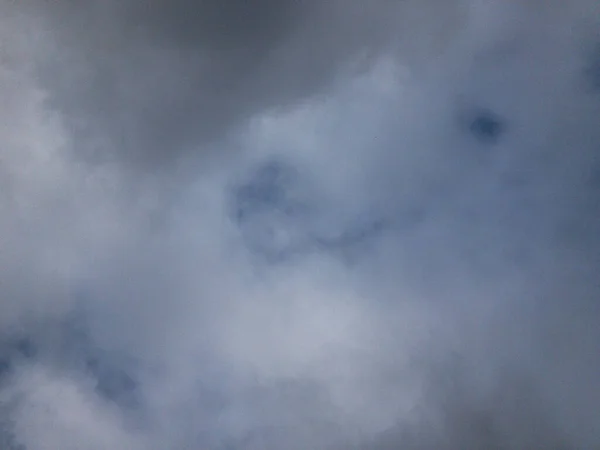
pixel 149 82
pixel 435 284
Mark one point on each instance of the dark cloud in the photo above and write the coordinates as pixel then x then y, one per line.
pixel 149 82
pixel 233 26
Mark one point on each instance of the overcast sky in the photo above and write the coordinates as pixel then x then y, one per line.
pixel 279 224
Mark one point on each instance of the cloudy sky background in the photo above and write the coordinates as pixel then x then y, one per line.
pixel 299 225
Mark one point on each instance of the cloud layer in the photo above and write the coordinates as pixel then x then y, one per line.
pixel 311 225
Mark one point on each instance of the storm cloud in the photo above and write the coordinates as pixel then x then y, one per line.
pixel 299 225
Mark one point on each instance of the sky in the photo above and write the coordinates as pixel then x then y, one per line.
pixel 299 225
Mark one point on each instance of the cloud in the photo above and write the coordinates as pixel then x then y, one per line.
pixel 158 81
pixel 299 225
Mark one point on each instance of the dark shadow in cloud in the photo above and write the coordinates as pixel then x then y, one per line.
pixel 147 82
pixel 15 350
pixel 592 71
pixel 272 217
pixel 278 217
pixel 113 383
pixel 486 126
pixel 68 346
pixel 112 375
pixel 236 26
pixel 269 189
